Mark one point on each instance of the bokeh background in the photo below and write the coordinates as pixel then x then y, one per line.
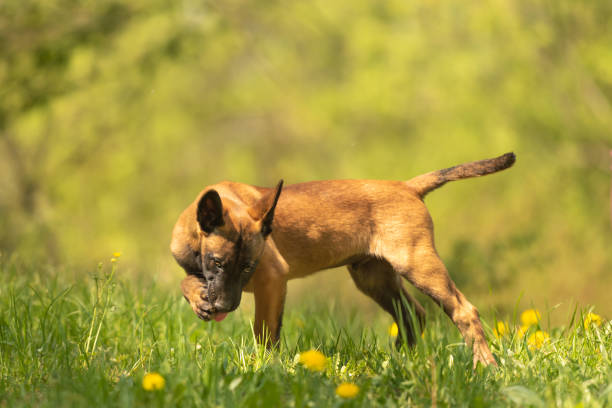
pixel 114 114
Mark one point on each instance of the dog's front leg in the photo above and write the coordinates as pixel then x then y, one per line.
pixel 269 291
pixel 195 290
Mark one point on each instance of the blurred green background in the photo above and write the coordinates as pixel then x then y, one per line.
pixel 114 114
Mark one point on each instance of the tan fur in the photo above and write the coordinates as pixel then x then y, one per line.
pixel 380 229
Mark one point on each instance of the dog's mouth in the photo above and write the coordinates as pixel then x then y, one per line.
pixel 211 315
pixel 218 312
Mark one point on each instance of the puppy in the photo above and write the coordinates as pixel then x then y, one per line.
pixel 236 237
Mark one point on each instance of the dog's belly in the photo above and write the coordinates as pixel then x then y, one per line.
pixel 301 271
pixel 319 247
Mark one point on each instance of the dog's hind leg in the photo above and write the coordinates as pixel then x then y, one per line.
pixel 377 279
pixel 427 272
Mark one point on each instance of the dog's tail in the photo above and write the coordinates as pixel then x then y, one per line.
pixel 427 182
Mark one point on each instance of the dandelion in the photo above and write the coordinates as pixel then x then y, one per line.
pixel 522 330
pixel 153 382
pixel 116 254
pixel 113 260
pixel 393 330
pixel 500 330
pixel 347 390
pixel 530 317
pixel 537 339
pixel 313 360
pixel 592 318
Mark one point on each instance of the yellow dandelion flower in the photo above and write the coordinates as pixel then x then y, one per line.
pixel 347 390
pixel 592 318
pixel 500 330
pixel 522 330
pixel 530 317
pixel 116 254
pixel 393 330
pixel 113 260
pixel 313 360
pixel 153 382
pixel 537 339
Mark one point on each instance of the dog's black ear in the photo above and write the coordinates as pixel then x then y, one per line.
pixel 264 209
pixel 266 224
pixel 210 211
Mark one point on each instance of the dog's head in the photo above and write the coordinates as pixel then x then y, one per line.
pixel 231 240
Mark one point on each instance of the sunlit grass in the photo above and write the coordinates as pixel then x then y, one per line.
pixel 102 342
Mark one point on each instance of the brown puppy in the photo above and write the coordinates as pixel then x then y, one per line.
pixel 235 237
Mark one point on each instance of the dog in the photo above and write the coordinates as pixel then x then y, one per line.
pixel 236 237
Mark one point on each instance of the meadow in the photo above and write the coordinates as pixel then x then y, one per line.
pixel 115 114
pixel 104 341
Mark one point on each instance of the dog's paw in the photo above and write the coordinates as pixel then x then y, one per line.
pixel 483 355
pixel 195 290
pixel 201 306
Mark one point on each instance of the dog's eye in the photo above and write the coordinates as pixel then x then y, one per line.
pixel 218 264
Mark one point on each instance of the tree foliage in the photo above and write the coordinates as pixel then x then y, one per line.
pixel 114 114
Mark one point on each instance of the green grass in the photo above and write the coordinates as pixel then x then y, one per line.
pixel 90 342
